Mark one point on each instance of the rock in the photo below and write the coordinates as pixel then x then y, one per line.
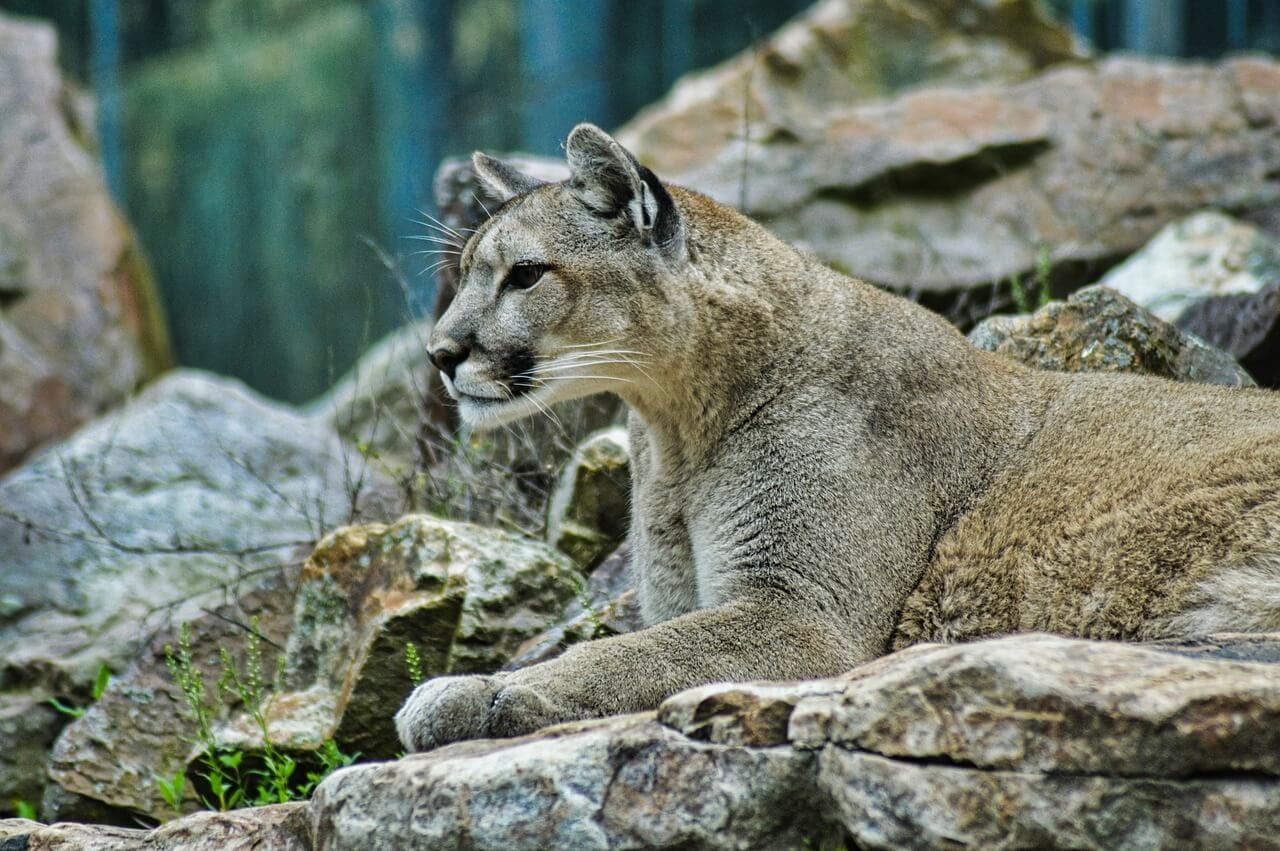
pixel 1040 703
pixel 466 596
pixel 378 404
pixel 105 764
pixel 841 52
pixel 618 783
pixel 28 726
pixel 1025 741
pixel 1097 329
pixel 190 493
pixel 80 323
pixel 282 827
pixel 1203 255
pixel 591 505
pixel 944 189
pixel 886 803
pixel 1246 326
pixel 609 607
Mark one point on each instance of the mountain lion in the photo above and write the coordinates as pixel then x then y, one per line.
pixel 824 472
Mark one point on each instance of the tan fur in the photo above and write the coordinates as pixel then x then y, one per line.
pixel 823 471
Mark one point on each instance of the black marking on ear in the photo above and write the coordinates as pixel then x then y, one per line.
pixel 666 222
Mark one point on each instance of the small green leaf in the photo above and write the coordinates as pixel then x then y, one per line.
pixel 101 680
pixel 73 711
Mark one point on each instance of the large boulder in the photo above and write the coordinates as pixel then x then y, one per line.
pixel 107 764
pixel 944 189
pixel 1203 255
pixel 80 324
pixel 1099 330
pixel 379 405
pixel 467 597
pixel 839 53
pixel 1025 741
pixel 187 496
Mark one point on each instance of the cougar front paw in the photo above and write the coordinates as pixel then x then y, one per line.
pixel 451 709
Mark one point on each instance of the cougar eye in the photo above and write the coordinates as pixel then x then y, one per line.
pixel 523 276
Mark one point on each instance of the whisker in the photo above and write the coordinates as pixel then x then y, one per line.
pixel 441 225
pixel 588 378
pixel 589 345
pixel 482 206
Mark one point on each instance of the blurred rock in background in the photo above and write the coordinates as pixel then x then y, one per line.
pixel 80 322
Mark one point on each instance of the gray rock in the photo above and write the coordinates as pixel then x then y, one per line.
pixel 379 403
pixel 619 783
pixel 28 727
pixel 466 596
pixel 185 497
pixel 282 827
pixel 1203 255
pixel 80 324
pixel 1039 703
pixel 591 505
pixel 1246 326
pixel 609 607
pixel 1099 330
pixel 937 191
pixel 105 765
pixel 888 803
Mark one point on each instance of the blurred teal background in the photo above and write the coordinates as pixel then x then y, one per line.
pixel 264 148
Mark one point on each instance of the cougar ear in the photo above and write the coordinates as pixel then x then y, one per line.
pixel 503 178
pixel 605 177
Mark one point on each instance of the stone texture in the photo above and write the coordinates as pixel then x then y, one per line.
pixel 1203 255
pixel 609 607
pixel 841 52
pixel 28 727
pixel 1039 703
pixel 105 764
pixel 1246 326
pixel 886 803
pixel 1026 741
pixel 619 783
pixel 590 507
pixel 465 595
pixel 948 188
pixel 182 499
pixel 1099 330
pixel 80 324
pixel 283 827
pixel 378 404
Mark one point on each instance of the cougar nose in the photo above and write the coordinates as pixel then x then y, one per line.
pixel 447 356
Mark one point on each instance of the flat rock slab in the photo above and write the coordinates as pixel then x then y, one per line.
pixel 282 827
pixel 1026 741
pixel 944 188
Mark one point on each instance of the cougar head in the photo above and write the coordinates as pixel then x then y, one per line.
pixel 561 291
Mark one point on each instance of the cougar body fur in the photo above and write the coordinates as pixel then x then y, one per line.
pixel 824 472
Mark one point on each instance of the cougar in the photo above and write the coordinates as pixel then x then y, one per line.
pixel 822 471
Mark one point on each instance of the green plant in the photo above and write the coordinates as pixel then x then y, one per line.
pixel 230 780
pixel 1040 283
pixel 171 790
pixel 100 682
pixel 413 662
pixel 24 809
